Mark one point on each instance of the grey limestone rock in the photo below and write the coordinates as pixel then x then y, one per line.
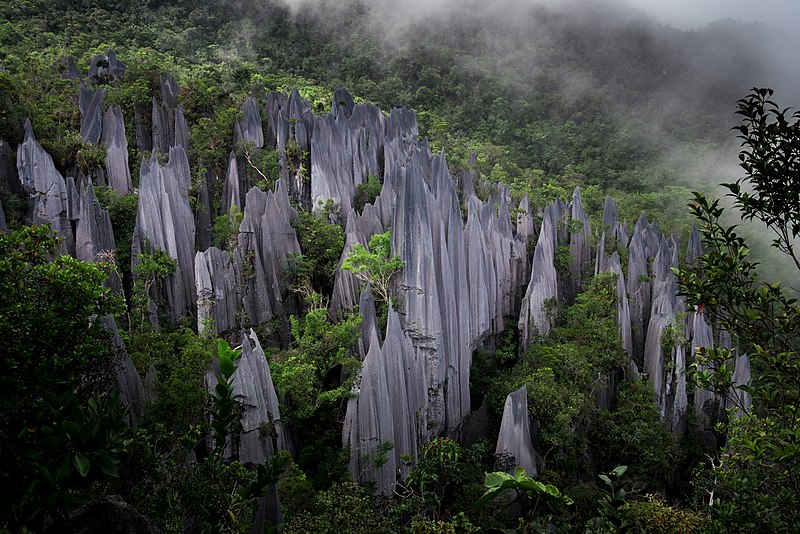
pixel 543 286
pixel 73 200
pixel 91 106
pixel 203 215
pixel 131 387
pixel 580 251
pixel 389 406
pixel 169 91
pixel 514 440
pixel 643 246
pixel 165 221
pixel 162 127
pixel 106 68
pixel 216 291
pixel 342 102
pixel 116 143
pixel 705 402
pixel 249 129
pixel 623 308
pixel 369 322
pixel 741 376
pixel 262 433
pixel 66 68
pixel 142 115
pixel 525 226
pixel 3 224
pixel 181 130
pixel 231 195
pixel 369 423
pixel 46 187
pixel 359 229
pixel 665 352
pixel 94 237
pixel 695 247
pixel 266 239
pixel 290 123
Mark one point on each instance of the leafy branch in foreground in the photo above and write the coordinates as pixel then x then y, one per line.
pixel 498 482
pixel 770 190
pixel 224 413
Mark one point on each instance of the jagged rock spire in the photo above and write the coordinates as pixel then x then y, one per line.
pixel 46 187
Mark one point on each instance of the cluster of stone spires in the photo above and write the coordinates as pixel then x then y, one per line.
pixel 467 269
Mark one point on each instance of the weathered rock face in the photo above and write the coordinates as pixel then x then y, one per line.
pixel 163 133
pixel 514 445
pixel 291 124
pixel 131 388
pixel 113 138
pixel 202 215
pixel 46 187
pixel 266 239
pixel 249 129
pixel 359 229
pixel 642 247
pixel 580 267
pixel 390 406
pixel 105 68
pixel 369 322
pixel 706 404
pixel 262 434
pixel 216 291
pixel 623 308
pixel 164 221
pixel 91 106
pixel 542 289
pixel 94 237
pixel 181 130
pixel 232 191
pixel 664 356
pixel 66 68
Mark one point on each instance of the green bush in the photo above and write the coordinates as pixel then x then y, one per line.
pixel 656 517
pixel 346 507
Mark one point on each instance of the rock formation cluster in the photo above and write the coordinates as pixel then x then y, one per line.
pixel 468 273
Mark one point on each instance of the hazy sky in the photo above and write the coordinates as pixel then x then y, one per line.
pixel 695 13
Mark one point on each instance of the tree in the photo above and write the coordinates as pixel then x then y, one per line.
pixel 375 266
pixel 60 430
pixel 758 476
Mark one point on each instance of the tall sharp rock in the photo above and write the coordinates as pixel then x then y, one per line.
pixel 580 266
pixel 542 293
pixel 113 138
pixel 46 188
pixel 217 296
pixel 263 433
pixel 514 445
pixel 164 220
pixel 290 125
pixel 91 106
pixel 249 129
pixel 128 380
pixel 706 404
pixel 389 406
pixel 266 239
pixel 665 344
pixel 642 247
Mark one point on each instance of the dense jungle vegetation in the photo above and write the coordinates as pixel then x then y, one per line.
pixel 540 99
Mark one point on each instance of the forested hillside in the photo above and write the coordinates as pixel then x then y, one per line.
pixel 343 266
